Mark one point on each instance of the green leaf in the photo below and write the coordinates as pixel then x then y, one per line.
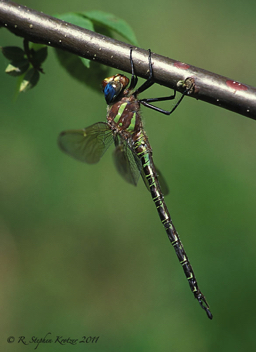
pixel 86 62
pixel 76 19
pixel 17 68
pixel 113 23
pixel 77 70
pixel 30 80
pixel 104 23
pixel 13 53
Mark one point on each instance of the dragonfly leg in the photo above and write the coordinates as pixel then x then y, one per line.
pixel 188 83
pixel 146 102
pixel 134 78
pixel 150 81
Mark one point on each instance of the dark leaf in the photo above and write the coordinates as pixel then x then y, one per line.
pixel 17 68
pixel 30 80
pixel 77 70
pixel 13 53
pixel 39 56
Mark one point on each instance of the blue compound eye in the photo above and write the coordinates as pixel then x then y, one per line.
pixel 110 92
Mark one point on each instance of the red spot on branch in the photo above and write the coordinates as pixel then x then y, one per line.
pixel 236 85
pixel 181 65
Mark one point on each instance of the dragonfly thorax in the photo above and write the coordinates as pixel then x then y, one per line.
pixel 124 115
pixel 113 87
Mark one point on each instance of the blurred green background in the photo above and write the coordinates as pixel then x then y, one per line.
pixel 82 252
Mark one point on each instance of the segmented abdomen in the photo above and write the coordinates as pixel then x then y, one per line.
pixel 144 152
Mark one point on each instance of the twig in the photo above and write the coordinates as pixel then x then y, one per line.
pixel 210 87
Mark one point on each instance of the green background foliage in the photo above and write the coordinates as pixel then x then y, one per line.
pixel 84 253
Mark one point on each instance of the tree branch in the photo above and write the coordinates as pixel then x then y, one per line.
pixel 210 87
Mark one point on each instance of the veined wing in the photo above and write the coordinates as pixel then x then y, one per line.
pixel 87 145
pixel 127 162
pixel 129 166
pixel 162 182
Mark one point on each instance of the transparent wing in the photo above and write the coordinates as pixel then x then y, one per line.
pixel 87 145
pixel 129 166
pixel 127 162
pixel 162 182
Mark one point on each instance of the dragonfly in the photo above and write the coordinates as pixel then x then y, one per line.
pixel 132 153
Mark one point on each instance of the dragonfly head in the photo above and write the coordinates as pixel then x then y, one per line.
pixel 113 86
